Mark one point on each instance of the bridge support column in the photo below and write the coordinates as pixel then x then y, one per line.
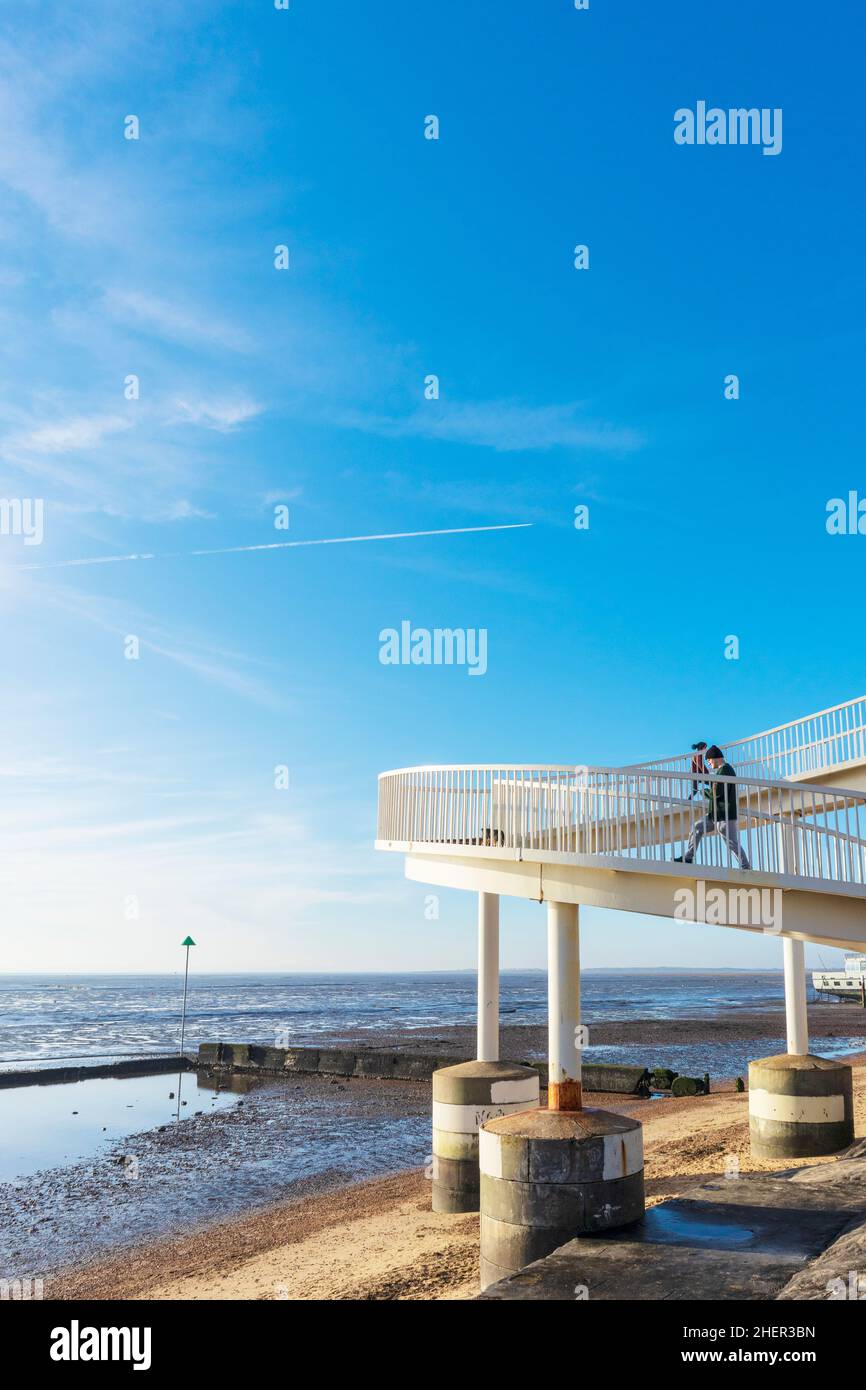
pixel 800 1106
pixel 463 1098
pixel 549 1175
pixel 796 1015
pixel 793 961
pixel 563 1007
pixel 466 1095
pixel 488 977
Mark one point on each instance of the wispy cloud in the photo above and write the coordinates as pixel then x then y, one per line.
pixel 225 865
pixel 210 663
pixel 179 323
pixel 131 464
pixel 538 499
pixel 183 510
pixel 223 415
pixel 288 494
pixel 65 436
pixel 47 771
pixel 505 426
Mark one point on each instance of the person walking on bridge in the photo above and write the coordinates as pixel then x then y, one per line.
pixel 722 817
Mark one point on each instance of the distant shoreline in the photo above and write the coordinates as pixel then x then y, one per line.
pixel 381 974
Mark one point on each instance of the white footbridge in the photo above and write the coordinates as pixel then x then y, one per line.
pixel 609 836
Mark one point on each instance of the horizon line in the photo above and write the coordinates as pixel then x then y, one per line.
pixel 443 970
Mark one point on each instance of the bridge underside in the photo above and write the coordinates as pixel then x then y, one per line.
pixel 831 918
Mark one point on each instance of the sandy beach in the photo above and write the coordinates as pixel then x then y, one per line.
pixel 313 1186
pixel 379 1240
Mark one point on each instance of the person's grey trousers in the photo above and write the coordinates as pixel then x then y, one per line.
pixel 729 833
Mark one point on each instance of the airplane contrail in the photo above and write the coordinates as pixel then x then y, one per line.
pixel 271 545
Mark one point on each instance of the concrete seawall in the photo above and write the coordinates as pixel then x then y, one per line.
pixel 334 1061
pixel 134 1066
pixel 276 1061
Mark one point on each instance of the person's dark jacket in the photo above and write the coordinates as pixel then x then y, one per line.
pixel 722 796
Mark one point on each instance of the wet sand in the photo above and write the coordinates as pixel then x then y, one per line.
pixel 379 1240
pixel 286 1140
pixel 277 1161
pixel 826 1020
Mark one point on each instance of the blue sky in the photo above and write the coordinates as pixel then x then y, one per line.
pixel 148 786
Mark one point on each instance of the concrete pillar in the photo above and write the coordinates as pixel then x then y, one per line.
pixel 799 1107
pixel 548 1176
pixel 472 1092
pixel 488 977
pixel 563 1007
pixel 794 961
pixel 463 1098
pixel 796 1016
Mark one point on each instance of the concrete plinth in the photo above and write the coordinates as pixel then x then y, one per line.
pixel 799 1106
pixel 550 1175
pixel 463 1098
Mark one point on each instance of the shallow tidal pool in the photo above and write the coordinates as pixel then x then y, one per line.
pixel 51 1125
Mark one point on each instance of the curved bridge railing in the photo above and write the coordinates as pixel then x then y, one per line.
pixel 646 815
pixel 831 738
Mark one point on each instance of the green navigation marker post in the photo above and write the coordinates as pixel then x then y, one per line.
pixel 187 943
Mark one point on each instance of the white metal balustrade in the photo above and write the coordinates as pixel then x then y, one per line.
pixel 636 816
pixel 832 738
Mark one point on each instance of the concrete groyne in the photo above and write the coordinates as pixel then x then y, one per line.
pixel 133 1066
pixel 255 1059
pixel 384 1065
